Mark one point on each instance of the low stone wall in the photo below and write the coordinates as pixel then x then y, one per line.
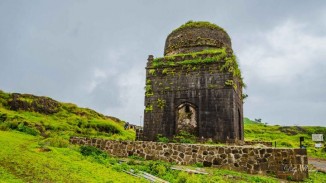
pixel 284 163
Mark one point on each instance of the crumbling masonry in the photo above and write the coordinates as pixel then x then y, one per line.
pixel 196 87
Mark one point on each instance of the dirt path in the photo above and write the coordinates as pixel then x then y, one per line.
pixel 319 164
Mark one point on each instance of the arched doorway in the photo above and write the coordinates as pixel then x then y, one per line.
pixel 186 118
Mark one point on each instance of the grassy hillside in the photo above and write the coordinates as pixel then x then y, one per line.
pixel 34 147
pixel 56 121
pixel 285 136
pixel 23 159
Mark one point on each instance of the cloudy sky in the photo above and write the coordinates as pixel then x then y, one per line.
pixel 93 53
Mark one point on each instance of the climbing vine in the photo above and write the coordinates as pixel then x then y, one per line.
pixel 244 96
pixel 231 83
pixel 152 72
pixel 148 81
pixel 161 103
pixel 148 90
pixel 149 108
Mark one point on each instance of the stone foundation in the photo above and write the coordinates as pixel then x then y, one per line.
pixel 284 163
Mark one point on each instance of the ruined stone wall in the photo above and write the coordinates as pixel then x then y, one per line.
pixel 284 163
pixel 218 106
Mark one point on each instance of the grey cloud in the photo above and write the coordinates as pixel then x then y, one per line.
pixel 55 48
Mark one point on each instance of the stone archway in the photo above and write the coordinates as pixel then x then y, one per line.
pixel 186 118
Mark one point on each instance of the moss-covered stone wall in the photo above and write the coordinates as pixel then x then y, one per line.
pixel 196 87
pixel 201 80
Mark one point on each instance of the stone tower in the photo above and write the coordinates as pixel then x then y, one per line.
pixel 196 87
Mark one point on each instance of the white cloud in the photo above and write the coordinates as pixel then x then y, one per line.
pixel 282 54
pixel 281 70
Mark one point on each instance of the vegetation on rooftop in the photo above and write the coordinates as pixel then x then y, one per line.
pixel 215 55
pixel 198 24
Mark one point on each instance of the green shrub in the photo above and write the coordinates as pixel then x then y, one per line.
pixel 136 158
pixel 3 117
pixel 158 167
pixel 21 127
pixel 106 126
pixel 90 151
pixel 286 144
pixel 57 141
pixel 182 177
pixel 121 167
pixel 185 137
pixel 4 127
pixel 12 125
pixel 161 138
pixel 199 164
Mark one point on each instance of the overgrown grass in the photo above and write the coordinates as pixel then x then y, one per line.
pixel 285 136
pixel 196 58
pixel 191 59
pixel 6 177
pixel 198 24
pixel 34 147
pixel 69 120
pixel 22 159
pixel 164 171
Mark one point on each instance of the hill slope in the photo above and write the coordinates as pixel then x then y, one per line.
pixel 285 136
pixel 50 119
pixel 23 159
pixel 34 133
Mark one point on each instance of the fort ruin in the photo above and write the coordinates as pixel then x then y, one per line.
pixel 196 87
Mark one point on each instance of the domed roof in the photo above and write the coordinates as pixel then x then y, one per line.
pixel 196 36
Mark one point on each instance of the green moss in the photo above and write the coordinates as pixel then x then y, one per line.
pixel 198 24
pixel 211 86
pixel 148 91
pixel 152 72
pixel 231 83
pixel 165 71
pixel 231 66
pixel 161 103
pixel 148 82
pixel 170 60
pixel 163 62
pixel 216 55
pixel 194 68
pixel 149 108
